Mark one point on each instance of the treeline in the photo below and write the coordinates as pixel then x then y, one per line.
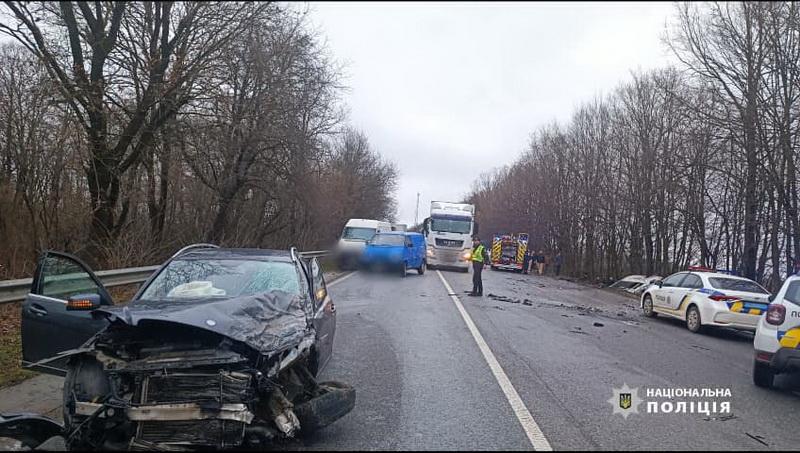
pixel 691 165
pixel 128 129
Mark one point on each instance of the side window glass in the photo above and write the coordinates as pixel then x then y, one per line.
pixel 692 281
pixel 793 293
pixel 63 277
pixel 673 280
pixel 319 282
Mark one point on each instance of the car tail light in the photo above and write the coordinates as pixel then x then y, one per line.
pixel 763 356
pixel 722 297
pixel 776 314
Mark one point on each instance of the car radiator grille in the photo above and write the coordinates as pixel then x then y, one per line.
pixel 210 388
pixel 190 432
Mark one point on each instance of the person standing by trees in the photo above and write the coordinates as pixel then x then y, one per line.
pixel 540 262
pixel 526 261
pixel 557 262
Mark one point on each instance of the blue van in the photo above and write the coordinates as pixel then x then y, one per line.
pixel 396 250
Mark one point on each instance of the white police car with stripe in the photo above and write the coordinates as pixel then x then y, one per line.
pixel 777 339
pixel 706 297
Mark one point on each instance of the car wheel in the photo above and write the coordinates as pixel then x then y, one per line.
pixel 763 375
pixel 693 322
pixel 422 267
pixel 335 401
pixel 403 269
pixel 647 307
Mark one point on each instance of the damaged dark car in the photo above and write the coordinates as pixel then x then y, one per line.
pixel 219 348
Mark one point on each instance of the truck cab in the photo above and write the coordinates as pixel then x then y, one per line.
pixel 448 233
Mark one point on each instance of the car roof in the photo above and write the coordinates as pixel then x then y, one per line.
pixel 718 275
pixel 237 253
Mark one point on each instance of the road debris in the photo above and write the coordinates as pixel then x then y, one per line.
pixel 757 438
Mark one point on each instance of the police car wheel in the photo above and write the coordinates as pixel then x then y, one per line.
pixel 647 307
pixel 422 267
pixel 763 375
pixel 693 322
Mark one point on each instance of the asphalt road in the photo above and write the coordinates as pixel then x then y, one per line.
pixel 422 382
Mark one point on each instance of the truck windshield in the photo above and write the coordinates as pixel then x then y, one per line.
pixel 387 239
pixel 358 233
pixel 451 226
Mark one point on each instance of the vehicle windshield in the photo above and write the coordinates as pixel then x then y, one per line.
pixel 451 226
pixel 222 278
pixel 387 239
pixel 359 233
pixel 735 284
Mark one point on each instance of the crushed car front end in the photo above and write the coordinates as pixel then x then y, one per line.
pixel 210 374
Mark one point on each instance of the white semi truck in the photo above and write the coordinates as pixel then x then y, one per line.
pixel 448 233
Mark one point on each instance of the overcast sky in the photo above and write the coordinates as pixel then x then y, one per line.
pixel 449 90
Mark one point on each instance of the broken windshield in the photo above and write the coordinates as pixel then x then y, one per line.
pixel 222 278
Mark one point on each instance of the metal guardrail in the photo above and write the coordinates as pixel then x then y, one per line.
pixel 16 290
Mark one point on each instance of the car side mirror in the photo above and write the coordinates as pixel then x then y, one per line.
pixel 410 246
pixel 84 302
pixel 660 283
pixel 772 297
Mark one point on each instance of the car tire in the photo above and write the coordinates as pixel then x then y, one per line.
pixel 647 307
pixel 422 267
pixel 336 400
pixel 693 321
pixel 763 375
pixel 403 269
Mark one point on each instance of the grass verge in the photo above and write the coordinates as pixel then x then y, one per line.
pixel 11 346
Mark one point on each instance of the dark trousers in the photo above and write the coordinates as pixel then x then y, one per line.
pixel 477 282
pixel 558 269
pixel 526 261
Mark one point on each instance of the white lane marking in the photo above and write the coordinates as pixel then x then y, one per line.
pixel 340 279
pixel 535 435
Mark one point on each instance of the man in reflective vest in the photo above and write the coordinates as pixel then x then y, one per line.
pixel 479 258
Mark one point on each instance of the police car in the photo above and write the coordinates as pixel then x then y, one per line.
pixel 706 297
pixel 777 339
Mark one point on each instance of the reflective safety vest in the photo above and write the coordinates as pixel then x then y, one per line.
pixel 478 253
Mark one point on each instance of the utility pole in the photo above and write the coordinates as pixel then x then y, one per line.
pixel 416 212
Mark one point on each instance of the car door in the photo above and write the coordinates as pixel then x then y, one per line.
pixel 47 327
pixel 324 315
pixel 662 297
pixel 689 283
pixel 408 253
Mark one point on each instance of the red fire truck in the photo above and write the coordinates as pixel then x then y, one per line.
pixel 508 251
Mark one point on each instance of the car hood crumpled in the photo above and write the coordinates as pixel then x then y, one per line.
pixel 268 322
